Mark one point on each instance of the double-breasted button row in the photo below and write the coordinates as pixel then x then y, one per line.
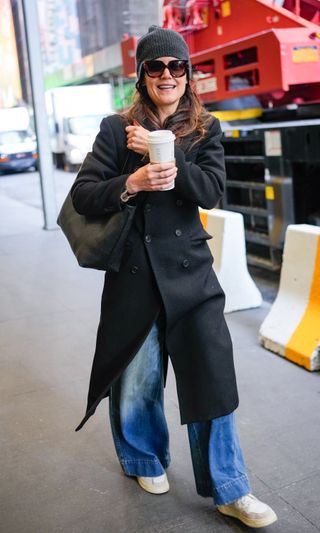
pixel 147 238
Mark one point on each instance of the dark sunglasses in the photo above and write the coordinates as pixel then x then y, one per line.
pixel 155 68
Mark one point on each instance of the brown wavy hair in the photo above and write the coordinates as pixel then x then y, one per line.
pixel 189 118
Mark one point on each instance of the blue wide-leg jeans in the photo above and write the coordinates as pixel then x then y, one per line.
pixel 141 435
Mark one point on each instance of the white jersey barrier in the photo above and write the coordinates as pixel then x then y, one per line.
pixel 230 264
pixel 292 328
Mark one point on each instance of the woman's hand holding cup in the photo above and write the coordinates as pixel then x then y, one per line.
pixel 152 177
pixel 159 175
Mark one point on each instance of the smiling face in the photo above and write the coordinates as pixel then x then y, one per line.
pixel 165 91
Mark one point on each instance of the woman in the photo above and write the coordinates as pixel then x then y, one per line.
pixel 166 298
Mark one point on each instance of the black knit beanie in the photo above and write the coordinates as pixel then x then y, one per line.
pixel 159 42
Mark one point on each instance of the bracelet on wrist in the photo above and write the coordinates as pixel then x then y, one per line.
pixel 125 195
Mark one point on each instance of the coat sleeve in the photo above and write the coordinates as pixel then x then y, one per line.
pixel 203 182
pixel 99 183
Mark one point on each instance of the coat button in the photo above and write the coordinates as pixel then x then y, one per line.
pixel 179 203
pixel 185 263
pixel 147 208
pixel 134 269
pixel 178 232
pixel 147 238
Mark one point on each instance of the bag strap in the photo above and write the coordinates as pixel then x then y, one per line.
pixel 126 161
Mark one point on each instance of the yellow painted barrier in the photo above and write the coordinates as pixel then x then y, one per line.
pixel 292 328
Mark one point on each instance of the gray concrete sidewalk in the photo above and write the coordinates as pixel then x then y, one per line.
pixel 53 479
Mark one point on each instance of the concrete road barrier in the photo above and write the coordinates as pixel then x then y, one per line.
pixel 292 328
pixel 230 264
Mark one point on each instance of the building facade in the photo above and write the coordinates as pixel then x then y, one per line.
pixel 10 85
pixel 112 19
pixel 80 40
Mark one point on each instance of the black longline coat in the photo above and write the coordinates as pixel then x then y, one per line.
pixel 167 266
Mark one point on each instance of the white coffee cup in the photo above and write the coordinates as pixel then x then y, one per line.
pixel 161 148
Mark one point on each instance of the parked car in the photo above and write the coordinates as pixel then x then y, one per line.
pixel 18 147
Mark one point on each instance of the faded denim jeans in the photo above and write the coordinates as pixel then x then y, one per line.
pixel 141 435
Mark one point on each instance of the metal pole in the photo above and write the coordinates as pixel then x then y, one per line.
pixel 40 114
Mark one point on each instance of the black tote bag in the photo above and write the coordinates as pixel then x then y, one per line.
pixel 97 242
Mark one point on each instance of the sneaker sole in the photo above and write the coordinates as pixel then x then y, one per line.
pixel 154 490
pixel 251 522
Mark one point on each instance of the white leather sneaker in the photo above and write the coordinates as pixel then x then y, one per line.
pixel 250 511
pixel 155 485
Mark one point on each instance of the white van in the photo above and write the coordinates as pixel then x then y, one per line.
pixel 75 114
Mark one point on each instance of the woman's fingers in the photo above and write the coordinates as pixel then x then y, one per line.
pixel 154 181
pixel 161 185
pixel 137 138
pixel 168 173
pixel 161 179
pixel 160 167
pixel 163 170
pixel 152 177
